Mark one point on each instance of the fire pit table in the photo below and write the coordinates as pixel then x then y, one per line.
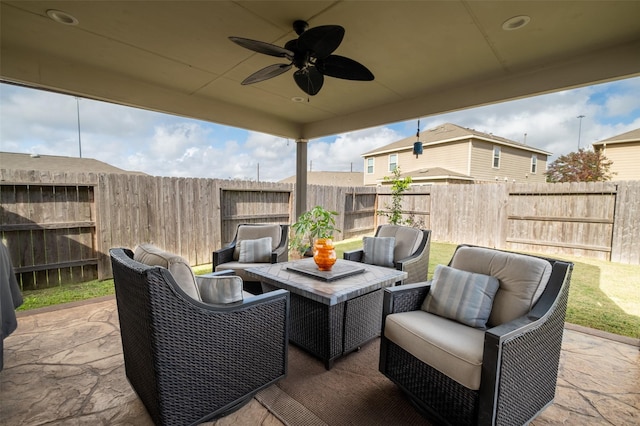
pixel 334 312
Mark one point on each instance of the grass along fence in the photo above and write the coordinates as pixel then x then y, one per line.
pixel 57 239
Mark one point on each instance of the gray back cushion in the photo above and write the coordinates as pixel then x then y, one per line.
pixel 254 232
pixel 407 239
pixel 180 270
pixel 522 279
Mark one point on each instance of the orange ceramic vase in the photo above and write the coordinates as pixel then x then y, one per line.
pixel 324 253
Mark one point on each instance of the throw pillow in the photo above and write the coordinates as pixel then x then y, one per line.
pixel 462 296
pixel 378 250
pixel 226 289
pixel 255 251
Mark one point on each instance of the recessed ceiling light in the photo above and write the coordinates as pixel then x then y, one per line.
pixel 297 99
pixel 62 17
pixel 516 22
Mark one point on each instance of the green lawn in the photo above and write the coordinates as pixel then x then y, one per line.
pixel 603 295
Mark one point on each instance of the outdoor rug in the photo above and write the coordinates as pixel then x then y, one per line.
pixel 353 392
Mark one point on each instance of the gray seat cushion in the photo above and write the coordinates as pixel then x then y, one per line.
pixel 452 348
pixel 239 269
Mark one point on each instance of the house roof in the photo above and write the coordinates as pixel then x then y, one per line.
pixel 331 178
pixel 434 173
pixel 54 163
pixel 446 133
pixel 630 136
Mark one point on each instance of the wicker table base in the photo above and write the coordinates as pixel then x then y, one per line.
pixel 329 332
pixel 331 319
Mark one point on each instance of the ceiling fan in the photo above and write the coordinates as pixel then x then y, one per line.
pixel 311 54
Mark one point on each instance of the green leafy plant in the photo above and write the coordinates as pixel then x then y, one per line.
pixel 398 187
pixel 316 223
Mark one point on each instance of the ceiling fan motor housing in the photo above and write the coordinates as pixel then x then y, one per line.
pixel 300 26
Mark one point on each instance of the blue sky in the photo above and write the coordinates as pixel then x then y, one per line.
pixel 34 121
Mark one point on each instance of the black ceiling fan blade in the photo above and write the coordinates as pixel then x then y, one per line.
pixel 309 79
pixel 341 67
pixel 321 41
pixel 266 73
pixel 262 47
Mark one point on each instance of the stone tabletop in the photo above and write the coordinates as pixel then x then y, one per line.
pixel 329 292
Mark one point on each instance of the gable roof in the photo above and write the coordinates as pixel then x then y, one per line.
pixel 449 133
pixel 435 173
pixel 55 163
pixel 630 136
pixel 331 178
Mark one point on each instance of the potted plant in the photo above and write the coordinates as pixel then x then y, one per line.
pixel 315 229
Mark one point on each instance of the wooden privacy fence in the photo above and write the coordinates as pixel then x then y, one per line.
pixel 59 227
pixel 49 227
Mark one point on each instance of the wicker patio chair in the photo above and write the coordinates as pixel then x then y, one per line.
pixel 460 375
pixel 230 257
pixel 190 361
pixel 410 252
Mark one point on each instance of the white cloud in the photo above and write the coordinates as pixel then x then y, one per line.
pixel 620 105
pixel 344 153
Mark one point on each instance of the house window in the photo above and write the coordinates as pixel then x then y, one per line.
pixel 369 165
pixel 393 162
pixel 534 163
pixel 496 157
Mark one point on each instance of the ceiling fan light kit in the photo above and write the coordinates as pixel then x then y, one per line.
pixel 311 53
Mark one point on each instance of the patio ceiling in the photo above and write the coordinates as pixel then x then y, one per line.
pixel 428 57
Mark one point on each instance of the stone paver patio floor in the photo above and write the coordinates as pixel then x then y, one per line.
pixel 65 366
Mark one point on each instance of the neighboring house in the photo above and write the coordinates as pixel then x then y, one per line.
pixel 55 163
pixel 454 154
pixel 624 152
pixel 330 178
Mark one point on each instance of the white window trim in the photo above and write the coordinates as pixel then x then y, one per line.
pixel 493 157
pixel 534 164
pixel 389 162
pixel 373 164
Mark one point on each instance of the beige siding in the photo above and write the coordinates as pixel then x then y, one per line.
pixel 626 160
pixel 450 156
pixel 381 166
pixel 515 164
pixel 380 169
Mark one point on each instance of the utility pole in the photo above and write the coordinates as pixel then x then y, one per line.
pixel 79 137
pixel 580 117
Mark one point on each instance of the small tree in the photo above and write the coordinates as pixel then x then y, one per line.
pixel 398 187
pixel 580 166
